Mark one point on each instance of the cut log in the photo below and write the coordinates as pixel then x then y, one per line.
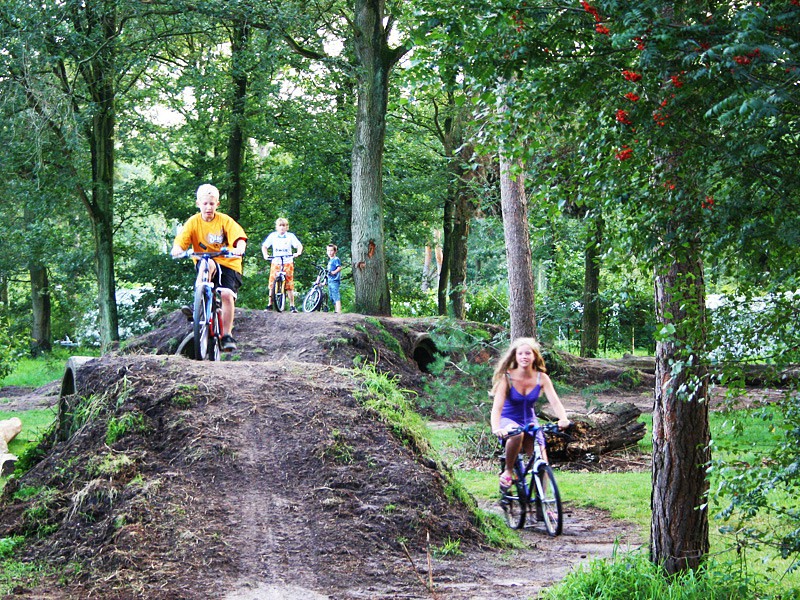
pixel 9 429
pixel 611 427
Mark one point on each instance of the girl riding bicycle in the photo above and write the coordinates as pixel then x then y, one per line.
pixel 519 378
pixel 209 231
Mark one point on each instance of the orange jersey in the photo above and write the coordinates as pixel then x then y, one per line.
pixel 221 231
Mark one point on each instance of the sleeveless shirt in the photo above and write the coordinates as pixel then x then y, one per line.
pixel 520 407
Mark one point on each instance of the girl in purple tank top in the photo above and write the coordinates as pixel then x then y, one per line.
pixel 519 379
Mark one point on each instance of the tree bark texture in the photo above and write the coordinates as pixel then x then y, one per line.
pixel 375 61
pixel 99 73
pixel 518 249
pixel 679 526
pixel 590 326
pixel 236 146
pixel 41 332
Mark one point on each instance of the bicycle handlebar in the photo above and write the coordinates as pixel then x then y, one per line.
pixel 192 254
pixel 531 429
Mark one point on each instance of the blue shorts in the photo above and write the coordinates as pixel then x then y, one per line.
pixel 333 290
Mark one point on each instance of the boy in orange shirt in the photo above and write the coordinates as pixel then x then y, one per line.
pixel 210 231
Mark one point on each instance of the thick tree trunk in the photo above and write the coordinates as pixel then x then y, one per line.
pixel 368 245
pixel 41 334
pixel 236 147
pixel 99 74
pixel 590 326
pixel 518 249
pixel 679 526
pixel 458 267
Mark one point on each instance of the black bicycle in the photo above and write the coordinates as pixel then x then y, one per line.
pixel 535 493
pixel 315 298
pixel 207 309
pixel 277 291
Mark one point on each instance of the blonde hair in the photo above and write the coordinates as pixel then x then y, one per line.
pixel 207 190
pixel 509 360
pixel 281 221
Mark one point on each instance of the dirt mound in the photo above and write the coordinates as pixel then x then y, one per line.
pixel 263 476
pixel 228 472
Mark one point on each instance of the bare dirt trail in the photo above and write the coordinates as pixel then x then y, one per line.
pixel 263 477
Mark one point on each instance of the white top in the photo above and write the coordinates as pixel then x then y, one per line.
pixel 282 246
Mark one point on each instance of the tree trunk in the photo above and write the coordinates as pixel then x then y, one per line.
pixel 40 300
pixel 236 147
pixel 590 326
pixel 101 140
pixel 518 249
pixel 447 253
pixel 679 526
pixel 367 245
pixel 458 259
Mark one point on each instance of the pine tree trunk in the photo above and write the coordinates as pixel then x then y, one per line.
pixel 679 526
pixel 518 249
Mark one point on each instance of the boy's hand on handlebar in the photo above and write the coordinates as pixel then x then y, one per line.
pixel 564 424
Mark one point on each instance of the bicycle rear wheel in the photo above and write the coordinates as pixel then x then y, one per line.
pixel 514 502
pixel 201 318
pixel 549 498
pixel 313 299
pixel 279 295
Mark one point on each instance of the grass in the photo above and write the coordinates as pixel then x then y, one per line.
pixel 36 372
pixel 626 496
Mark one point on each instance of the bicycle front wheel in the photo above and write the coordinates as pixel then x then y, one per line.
pixel 214 348
pixel 201 319
pixel 279 295
pixel 312 300
pixel 549 498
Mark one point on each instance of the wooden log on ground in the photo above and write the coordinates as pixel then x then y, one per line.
pixel 611 427
pixel 9 429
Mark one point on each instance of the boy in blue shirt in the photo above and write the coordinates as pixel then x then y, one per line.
pixel 334 277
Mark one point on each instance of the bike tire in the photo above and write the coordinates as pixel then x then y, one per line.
pixel 279 295
pixel 514 502
pixel 549 498
pixel 200 323
pixel 214 348
pixel 313 300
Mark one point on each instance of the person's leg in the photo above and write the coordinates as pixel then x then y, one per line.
pixel 513 446
pixel 333 293
pixel 273 271
pixel 229 282
pixel 289 269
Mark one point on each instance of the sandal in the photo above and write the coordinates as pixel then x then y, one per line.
pixel 505 481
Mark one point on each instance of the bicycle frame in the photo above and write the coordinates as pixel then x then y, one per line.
pixel 277 291
pixel 535 488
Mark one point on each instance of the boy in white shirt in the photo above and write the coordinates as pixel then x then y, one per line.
pixel 282 241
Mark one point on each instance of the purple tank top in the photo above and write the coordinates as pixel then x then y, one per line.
pixel 519 407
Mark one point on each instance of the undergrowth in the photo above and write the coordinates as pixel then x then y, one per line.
pixel 379 392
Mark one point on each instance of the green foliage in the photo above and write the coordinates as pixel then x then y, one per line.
pixel 387 338
pixel 450 548
pixel 129 422
pixel 633 576
pixel 9 545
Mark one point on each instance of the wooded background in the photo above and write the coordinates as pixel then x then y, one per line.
pixel 567 160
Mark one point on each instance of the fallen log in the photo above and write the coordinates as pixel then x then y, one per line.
pixel 757 375
pixel 9 429
pixel 611 427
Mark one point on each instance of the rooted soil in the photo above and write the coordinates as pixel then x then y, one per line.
pixel 263 476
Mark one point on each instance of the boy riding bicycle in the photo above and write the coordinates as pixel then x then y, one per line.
pixel 282 241
pixel 210 231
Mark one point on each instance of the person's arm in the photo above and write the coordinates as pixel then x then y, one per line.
pixel 337 269
pixel 239 247
pixel 177 250
pixel 500 394
pixel 555 401
pixel 299 248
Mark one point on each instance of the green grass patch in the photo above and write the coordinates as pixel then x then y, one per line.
pixel 36 372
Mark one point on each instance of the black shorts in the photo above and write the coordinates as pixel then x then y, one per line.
pixel 225 277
